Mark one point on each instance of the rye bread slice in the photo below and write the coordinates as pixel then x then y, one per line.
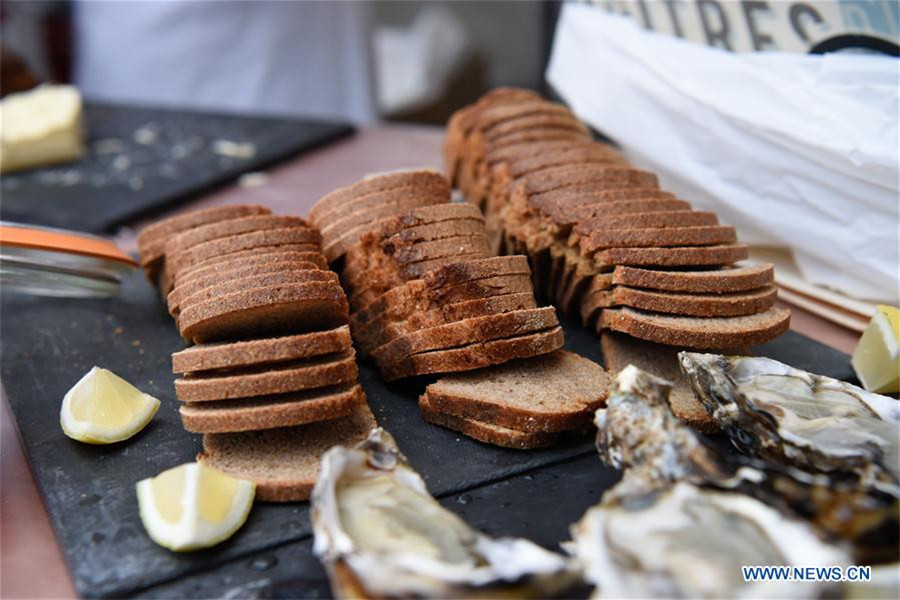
pixel 245 241
pixel 569 132
pixel 407 225
pixel 664 237
pixel 527 150
pixel 696 332
pixel 376 182
pixel 387 261
pixel 645 220
pixel 411 199
pixel 488 433
pixel 713 281
pixel 270 351
pixel 219 229
pixel 564 215
pixel 467 331
pixel 418 296
pixel 362 298
pixel 258 280
pixel 733 304
pixel 348 231
pixel 266 380
pixel 262 312
pixel 684 256
pixel 620 350
pixel 544 118
pixel 269 412
pixel 257 256
pixel 600 176
pixel 438 188
pixel 193 285
pixel 151 241
pixel 475 356
pixel 383 330
pixel 555 392
pixel 284 462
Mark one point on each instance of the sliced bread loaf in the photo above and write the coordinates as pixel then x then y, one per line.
pixel 269 412
pixel 555 392
pixel 265 380
pixel 284 462
pixel 215 357
pixel 694 332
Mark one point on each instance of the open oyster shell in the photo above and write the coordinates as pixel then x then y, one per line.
pixel 380 534
pixel 637 432
pixel 772 410
pixel 687 541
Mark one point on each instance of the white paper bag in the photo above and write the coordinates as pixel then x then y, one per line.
pixel 796 151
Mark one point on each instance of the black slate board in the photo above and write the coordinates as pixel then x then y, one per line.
pixel 48 344
pixel 143 159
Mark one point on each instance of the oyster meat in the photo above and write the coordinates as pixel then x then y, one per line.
pixel 381 534
pixel 638 433
pixel 775 411
pixel 686 541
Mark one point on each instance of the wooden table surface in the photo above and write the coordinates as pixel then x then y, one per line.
pixel 31 564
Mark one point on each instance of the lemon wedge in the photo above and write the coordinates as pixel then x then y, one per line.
pixel 103 408
pixel 876 359
pixel 193 506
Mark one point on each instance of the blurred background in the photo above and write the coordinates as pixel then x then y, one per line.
pixel 360 61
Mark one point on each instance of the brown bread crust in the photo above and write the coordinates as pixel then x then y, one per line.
pixel 212 357
pixel 684 256
pixel 658 238
pixel 718 281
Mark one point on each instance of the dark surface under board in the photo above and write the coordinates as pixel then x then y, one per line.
pixel 141 160
pixel 48 344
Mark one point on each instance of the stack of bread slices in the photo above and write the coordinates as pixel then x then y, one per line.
pixel 427 295
pixel 605 242
pixel 271 375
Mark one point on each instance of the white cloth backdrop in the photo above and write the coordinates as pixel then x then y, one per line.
pixel 796 151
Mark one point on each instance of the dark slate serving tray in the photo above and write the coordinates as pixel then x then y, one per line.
pixel 48 344
pixel 143 159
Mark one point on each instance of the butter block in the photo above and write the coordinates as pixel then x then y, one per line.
pixel 876 359
pixel 43 126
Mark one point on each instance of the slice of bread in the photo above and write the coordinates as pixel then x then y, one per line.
pixel 658 237
pixel 621 350
pixel 270 412
pixel 262 312
pixel 598 176
pixel 214 357
pixel 488 433
pixel 267 380
pixel 259 280
pixel 716 281
pixel 192 285
pixel 381 331
pixel 245 241
pixel 363 297
pixel 437 188
pixel 693 305
pixel 250 258
pixel 284 462
pixel 231 227
pixel 695 332
pixel 467 331
pixel 685 256
pixel 336 200
pixel 475 356
pixel 646 220
pixel 555 392
pixel 417 296
pixel 151 241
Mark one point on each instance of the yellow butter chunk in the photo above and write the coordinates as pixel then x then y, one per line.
pixel 876 359
pixel 43 126
pixel 193 506
pixel 103 408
